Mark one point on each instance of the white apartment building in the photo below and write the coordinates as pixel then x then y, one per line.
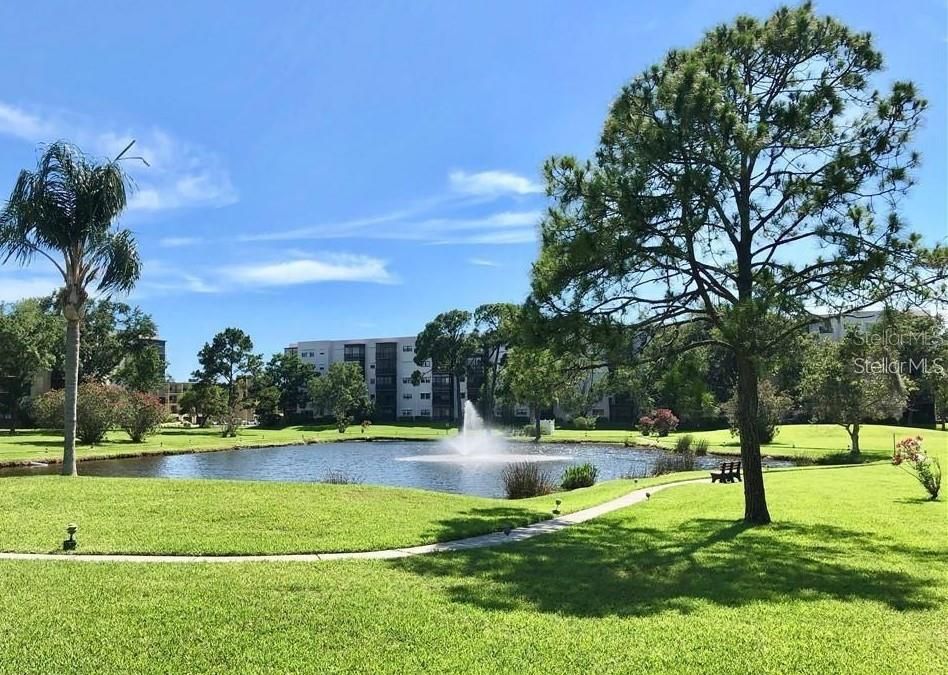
pixel 388 364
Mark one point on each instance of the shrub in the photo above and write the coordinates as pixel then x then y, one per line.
pixel 646 425
pixel 683 443
pixel 98 409
pixel 925 469
pixel 772 406
pixel 701 447
pixel 664 421
pixel 584 423
pixel 667 463
pixel 142 415
pixel 529 429
pixel 582 475
pixel 334 477
pixel 526 479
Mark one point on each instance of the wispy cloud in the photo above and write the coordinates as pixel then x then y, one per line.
pixel 180 174
pixel 433 230
pixel 332 267
pixel 492 183
pixel 179 242
pixel 483 262
pixel 496 237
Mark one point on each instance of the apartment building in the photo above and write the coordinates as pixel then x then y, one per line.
pixel 388 365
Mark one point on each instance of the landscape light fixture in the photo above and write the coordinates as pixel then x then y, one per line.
pixel 71 543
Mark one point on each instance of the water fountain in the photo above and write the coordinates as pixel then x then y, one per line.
pixel 477 444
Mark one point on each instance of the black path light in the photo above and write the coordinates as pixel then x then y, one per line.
pixel 556 511
pixel 71 543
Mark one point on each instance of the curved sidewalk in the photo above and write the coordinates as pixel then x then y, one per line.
pixel 481 541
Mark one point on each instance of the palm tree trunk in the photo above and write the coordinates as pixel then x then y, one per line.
pixel 71 394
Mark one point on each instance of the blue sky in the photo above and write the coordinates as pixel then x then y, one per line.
pixel 328 171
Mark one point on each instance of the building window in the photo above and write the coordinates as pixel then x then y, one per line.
pixel 408 348
pixel 425 412
pixel 425 396
pixel 463 395
pixel 599 412
pixel 406 380
pixel 406 396
pixel 407 412
pixel 372 380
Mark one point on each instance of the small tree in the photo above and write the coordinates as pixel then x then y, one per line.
pixel 290 376
pixel 850 382
pixel 664 421
pixel 141 415
pixel 207 402
pixel 538 378
pixel 447 343
pixel 926 470
pixel 229 361
pixel 342 392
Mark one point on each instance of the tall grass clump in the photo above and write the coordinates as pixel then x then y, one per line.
pixel 526 479
pixel 582 475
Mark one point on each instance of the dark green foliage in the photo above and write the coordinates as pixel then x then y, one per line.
pixel 228 360
pixel 526 479
pixel 579 476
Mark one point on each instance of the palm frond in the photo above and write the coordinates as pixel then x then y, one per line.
pixel 66 208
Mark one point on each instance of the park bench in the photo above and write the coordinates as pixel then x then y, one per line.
pixel 728 473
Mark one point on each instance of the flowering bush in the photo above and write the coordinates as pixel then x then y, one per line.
pixel 142 415
pixel 98 409
pixel 664 421
pixel 925 469
pixel 646 425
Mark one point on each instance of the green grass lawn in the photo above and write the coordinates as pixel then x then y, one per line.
pixel 852 577
pixel 813 441
pixel 820 441
pixel 142 515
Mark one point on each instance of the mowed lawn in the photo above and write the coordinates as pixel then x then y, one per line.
pixel 852 577
pixel 811 441
pixel 145 515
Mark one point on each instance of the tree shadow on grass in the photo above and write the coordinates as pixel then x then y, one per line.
pixel 613 568
pixel 483 521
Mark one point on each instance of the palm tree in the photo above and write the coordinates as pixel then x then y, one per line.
pixel 63 211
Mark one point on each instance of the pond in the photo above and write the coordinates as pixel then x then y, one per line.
pixel 425 465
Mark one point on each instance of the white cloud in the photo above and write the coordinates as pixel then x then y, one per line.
pixel 483 262
pixel 498 237
pixel 492 183
pixel 19 286
pixel 178 242
pixel 431 230
pixel 333 267
pixel 180 175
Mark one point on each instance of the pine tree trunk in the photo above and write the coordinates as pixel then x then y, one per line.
pixel 854 437
pixel 71 395
pixel 536 422
pixel 755 500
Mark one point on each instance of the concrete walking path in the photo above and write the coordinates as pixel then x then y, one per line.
pixel 481 541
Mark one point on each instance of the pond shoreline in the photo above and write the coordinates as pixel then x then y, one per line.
pixel 167 452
